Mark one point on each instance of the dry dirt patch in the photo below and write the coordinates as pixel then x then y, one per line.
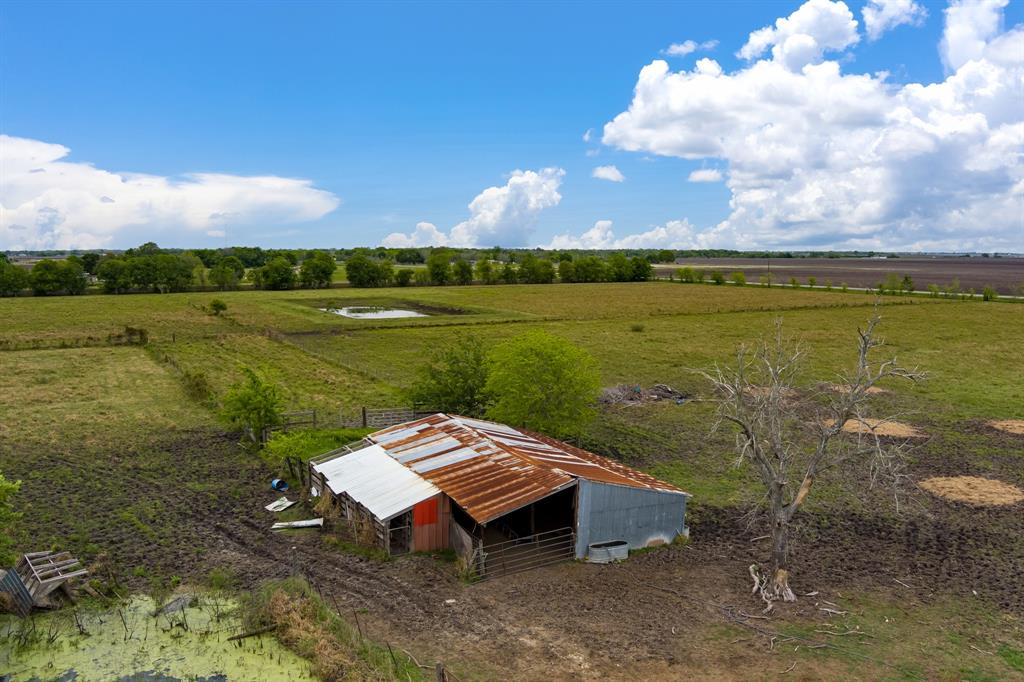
pixel 973 490
pixel 1015 426
pixel 881 427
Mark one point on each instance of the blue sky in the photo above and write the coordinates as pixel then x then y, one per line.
pixel 407 112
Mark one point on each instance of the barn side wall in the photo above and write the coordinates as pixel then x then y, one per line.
pixel 641 517
pixel 431 519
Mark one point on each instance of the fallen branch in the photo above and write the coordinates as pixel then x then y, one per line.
pixel 252 633
pixel 848 632
pixel 832 612
pixel 981 651
pixel 415 662
pixel 902 583
pixel 789 669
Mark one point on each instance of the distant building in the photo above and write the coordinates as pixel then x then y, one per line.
pixel 505 499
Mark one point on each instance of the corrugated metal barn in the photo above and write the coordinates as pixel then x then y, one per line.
pixel 504 498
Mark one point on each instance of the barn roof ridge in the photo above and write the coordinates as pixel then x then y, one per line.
pixel 490 469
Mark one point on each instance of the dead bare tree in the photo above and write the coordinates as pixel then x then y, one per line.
pixel 789 435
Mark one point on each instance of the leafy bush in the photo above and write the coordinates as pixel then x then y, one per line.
pixel 253 406
pixel 218 306
pixel 542 382
pixel 989 294
pixel 454 378
pixel 739 279
pixel 197 385
pixel 717 277
pixel 8 517
pixel 403 277
pixel 307 443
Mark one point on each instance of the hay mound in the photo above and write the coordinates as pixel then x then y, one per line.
pixel 881 427
pixel 1015 426
pixel 973 490
pixel 843 388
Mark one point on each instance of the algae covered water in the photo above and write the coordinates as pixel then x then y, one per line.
pixel 188 641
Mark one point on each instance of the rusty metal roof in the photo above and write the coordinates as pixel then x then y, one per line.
pixel 491 469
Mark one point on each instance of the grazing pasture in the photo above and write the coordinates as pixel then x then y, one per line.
pixel 152 489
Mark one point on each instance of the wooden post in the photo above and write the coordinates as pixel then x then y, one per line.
pixel 364 416
pixel 439 672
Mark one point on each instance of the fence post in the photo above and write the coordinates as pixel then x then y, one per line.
pixel 364 416
pixel 314 418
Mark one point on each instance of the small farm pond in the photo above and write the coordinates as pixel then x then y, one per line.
pixel 373 312
pixel 127 642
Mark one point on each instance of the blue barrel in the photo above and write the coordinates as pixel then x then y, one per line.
pixel 279 485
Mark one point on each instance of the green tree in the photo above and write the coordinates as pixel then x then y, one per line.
pixel 640 269
pixel 360 271
pixel 509 273
pixel 485 271
pixel 619 268
pixel 739 279
pixel 454 379
pixel 542 382
pixel 51 276
pixel 566 271
pixel 253 406
pixel 8 518
pixel 318 270
pixel 666 256
pixel 13 279
pixel 114 274
pixel 277 274
pixel 440 268
pixel 403 277
pixel 90 261
pixel 463 272
pixel 591 269
pixel 717 277
pixel 227 273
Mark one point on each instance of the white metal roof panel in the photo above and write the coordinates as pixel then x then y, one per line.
pixel 373 478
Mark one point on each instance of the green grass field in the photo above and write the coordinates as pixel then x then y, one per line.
pixel 64 389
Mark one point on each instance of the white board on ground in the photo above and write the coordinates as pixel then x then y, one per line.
pixel 308 523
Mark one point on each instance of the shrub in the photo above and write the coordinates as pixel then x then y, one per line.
pixel 463 272
pixel 13 279
pixel 636 327
pixel 454 379
pixel 8 518
pixel 717 277
pixel 218 306
pixel 404 277
pixel 318 270
pixel 739 279
pixel 542 382
pixel 989 294
pixel 253 405
pixel 812 282
pixel 793 283
pixel 197 385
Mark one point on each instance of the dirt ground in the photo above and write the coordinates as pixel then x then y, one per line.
pixel 1006 275
pixel 645 617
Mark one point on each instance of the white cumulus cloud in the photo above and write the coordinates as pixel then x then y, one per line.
pixel 970 25
pixel 504 215
pixel 47 202
pixel 884 15
pixel 803 36
pixel 706 175
pixel 821 158
pixel 610 173
pixel 675 234
pixel 425 234
pixel 688 46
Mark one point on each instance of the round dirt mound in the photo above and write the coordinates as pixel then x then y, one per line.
pixel 882 427
pixel 983 492
pixel 1009 425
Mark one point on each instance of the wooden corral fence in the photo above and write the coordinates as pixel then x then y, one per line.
pixel 365 417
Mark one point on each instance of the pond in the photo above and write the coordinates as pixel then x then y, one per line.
pixel 373 312
pixel 127 642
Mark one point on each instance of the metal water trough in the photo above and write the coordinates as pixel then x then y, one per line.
pixel 607 552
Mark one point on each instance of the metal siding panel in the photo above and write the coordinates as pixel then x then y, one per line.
pixel 635 515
